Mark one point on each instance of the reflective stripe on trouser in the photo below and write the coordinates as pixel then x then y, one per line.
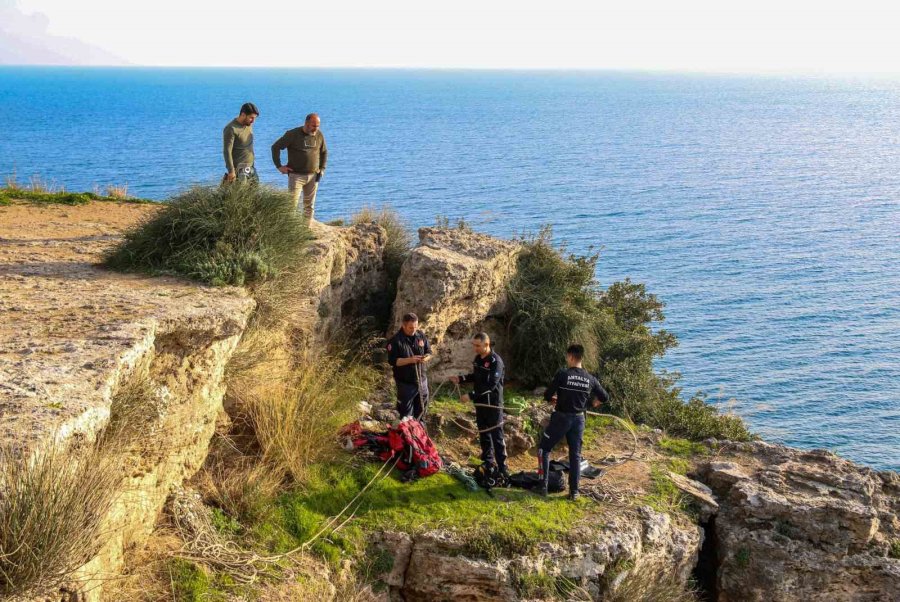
pixel 570 426
pixel 305 185
pixel 409 401
pixel 493 445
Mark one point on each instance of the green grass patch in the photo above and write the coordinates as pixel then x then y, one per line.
pixel 681 447
pixel 60 198
pixel 664 496
pixel 236 234
pixel 894 550
pixel 450 404
pixel 192 582
pixel 512 522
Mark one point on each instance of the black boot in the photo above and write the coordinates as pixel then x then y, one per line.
pixel 573 496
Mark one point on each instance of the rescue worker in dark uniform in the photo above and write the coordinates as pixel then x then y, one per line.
pixel 572 390
pixel 487 379
pixel 408 351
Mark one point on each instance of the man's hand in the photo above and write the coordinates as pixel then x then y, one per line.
pixel 454 380
pixel 285 169
pixel 320 175
pixel 230 176
pixel 465 398
pixel 426 358
pixel 596 403
pixel 553 400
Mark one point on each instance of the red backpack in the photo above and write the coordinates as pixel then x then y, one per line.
pixel 418 457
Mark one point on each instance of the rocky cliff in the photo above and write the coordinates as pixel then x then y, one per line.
pixel 455 281
pixel 762 522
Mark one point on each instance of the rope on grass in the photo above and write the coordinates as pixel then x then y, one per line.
pixel 629 428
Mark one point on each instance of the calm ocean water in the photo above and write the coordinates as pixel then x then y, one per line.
pixel 764 211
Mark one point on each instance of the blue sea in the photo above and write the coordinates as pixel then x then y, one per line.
pixel 765 211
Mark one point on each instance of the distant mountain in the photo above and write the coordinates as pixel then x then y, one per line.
pixel 24 41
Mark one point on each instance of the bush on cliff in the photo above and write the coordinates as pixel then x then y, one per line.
pixel 52 510
pixel 555 300
pixel 237 234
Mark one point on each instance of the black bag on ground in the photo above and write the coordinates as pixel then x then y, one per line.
pixel 531 480
pixel 587 471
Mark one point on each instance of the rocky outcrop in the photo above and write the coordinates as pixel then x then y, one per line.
pixel 344 280
pixel 455 281
pixel 804 526
pixel 434 566
pixel 72 336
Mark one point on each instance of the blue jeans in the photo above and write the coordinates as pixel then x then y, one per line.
pixel 570 426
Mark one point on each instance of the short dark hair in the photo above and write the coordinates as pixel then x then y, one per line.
pixel 410 317
pixel 248 108
pixel 576 351
pixel 483 337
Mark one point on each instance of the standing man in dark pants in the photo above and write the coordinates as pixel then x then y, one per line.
pixel 307 156
pixel 571 390
pixel 408 352
pixel 237 146
pixel 487 377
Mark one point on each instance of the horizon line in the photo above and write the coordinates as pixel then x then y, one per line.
pixel 553 69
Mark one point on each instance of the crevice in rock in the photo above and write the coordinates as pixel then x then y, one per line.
pixel 707 567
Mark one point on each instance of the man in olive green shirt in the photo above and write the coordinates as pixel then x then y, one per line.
pixel 237 145
pixel 307 156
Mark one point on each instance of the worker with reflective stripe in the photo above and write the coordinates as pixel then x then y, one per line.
pixel 571 391
pixel 487 380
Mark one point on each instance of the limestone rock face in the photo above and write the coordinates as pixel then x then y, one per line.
pixel 433 567
pixel 345 279
pixel 72 335
pixel 804 526
pixel 455 281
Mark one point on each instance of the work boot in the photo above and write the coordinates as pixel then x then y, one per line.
pixel 573 496
pixel 542 491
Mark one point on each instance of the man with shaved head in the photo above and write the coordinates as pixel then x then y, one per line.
pixel 307 155
pixel 487 379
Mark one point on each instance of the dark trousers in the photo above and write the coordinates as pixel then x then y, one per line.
pixel 493 444
pixel 409 401
pixel 570 426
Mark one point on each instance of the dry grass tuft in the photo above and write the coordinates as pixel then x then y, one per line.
pixel 117 191
pixel 297 414
pixel 650 582
pixel 52 511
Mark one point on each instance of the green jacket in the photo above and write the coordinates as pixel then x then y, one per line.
pixel 306 153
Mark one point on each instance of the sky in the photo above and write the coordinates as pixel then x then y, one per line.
pixel 658 35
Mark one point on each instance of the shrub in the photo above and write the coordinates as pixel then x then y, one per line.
pixel 554 300
pixel 297 413
pixel 52 510
pixel 236 234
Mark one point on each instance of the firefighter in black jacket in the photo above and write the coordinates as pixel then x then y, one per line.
pixel 408 352
pixel 487 379
pixel 572 390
